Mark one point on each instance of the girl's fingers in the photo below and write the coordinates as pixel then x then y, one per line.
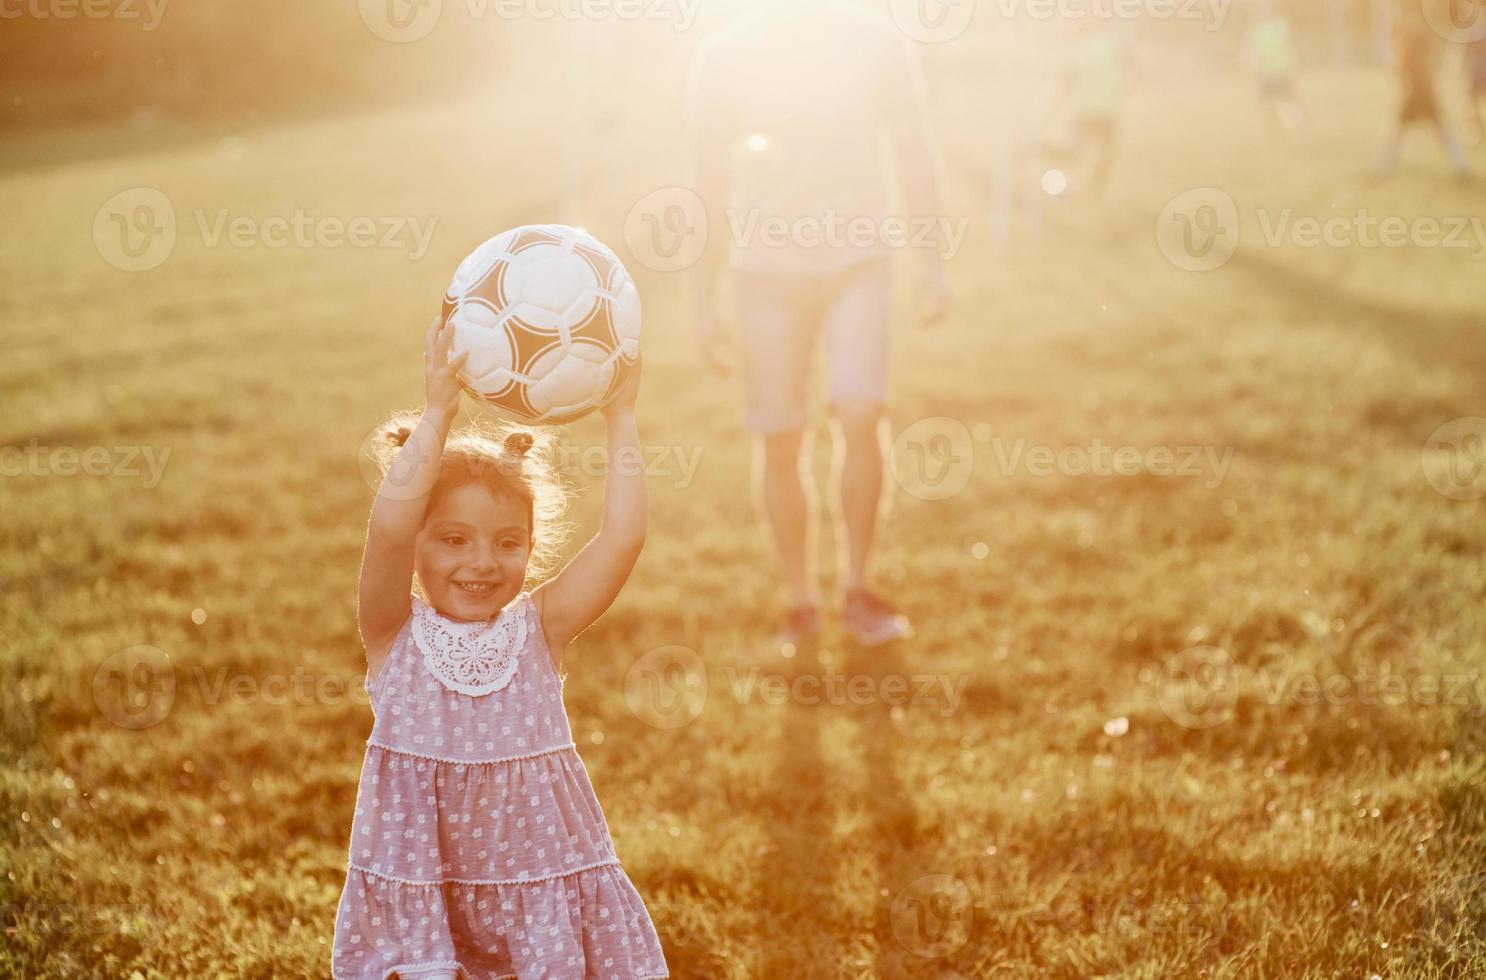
pixel 446 339
pixel 458 363
pixel 431 335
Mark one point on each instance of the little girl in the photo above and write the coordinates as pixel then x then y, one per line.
pixel 478 849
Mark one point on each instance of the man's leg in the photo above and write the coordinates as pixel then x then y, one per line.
pixel 857 326
pixel 787 499
pixel 860 445
pixel 777 338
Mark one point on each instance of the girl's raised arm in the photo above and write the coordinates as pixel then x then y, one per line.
pixel 571 601
pixel 383 601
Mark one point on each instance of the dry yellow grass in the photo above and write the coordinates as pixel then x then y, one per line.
pixel 1054 820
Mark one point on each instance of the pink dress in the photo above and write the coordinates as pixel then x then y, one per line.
pixel 478 846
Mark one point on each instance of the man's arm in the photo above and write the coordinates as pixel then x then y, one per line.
pixel 711 179
pixel 917 166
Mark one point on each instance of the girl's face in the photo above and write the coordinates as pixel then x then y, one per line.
pixel 472 551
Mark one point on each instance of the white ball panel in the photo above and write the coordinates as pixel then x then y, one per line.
pixel 627 312
pixel 590 352
pixel 571 382
pixel 551 280
pixel 481 332
pixel 551 288
pixel 479 262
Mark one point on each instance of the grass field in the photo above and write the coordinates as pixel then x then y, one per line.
pixel 1123 766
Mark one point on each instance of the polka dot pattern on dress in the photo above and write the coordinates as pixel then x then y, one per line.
pixel 477 842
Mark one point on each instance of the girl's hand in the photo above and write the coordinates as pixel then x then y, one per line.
pixel 624 399
pixel 441 375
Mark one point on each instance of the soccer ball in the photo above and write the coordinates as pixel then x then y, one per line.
pixel 551 321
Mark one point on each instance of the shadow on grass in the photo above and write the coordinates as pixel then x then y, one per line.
pixel 798 869
pixel 894 821
pixel 1429 337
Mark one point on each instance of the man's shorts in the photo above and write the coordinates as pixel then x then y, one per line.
pixel 780 320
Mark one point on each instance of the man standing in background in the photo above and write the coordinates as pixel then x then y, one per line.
pixel 801 112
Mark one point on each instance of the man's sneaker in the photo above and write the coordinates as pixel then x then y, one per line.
pixel 801 625
pixel 872 620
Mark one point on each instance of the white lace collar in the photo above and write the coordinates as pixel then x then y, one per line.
pixel 471 658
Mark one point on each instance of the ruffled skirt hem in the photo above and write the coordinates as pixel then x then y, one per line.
pixel 587 924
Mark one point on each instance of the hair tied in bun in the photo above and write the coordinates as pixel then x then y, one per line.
pixel 400 436
pixel 519 443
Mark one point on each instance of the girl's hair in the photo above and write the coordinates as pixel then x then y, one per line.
pixel 504 458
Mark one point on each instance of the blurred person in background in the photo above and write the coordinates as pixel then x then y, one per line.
pixel 1271 51
pixel 1095 82
pixel 1413 61
pixel 801 113
pixel 1475 66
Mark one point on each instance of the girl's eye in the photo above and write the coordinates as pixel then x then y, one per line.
pixel 454 539
pixel 510 544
